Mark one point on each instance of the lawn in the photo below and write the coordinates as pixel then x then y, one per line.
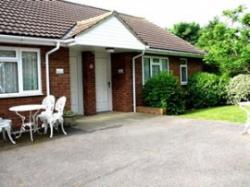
pixel 224 113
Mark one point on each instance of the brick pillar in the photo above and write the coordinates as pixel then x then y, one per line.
pixel 122 82
pixel 138 80
pixel 89 96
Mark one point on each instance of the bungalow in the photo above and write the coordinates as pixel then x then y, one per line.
pixel 98 59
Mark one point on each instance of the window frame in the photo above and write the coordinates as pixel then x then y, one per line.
pixel 18 60
pixel 151 63
pixel 184 65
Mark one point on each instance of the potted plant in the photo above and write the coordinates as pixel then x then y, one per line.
pixel 70 118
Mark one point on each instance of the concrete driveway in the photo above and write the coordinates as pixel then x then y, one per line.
pixel 131 150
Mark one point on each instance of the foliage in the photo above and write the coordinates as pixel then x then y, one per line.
pixel 164 91
pixel 227 42
pixel 238 89
pixel 231 113
pixel 69 113
pixel 206 89
pixel 187 31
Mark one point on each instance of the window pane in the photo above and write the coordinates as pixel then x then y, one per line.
pixel 184 74
pixel 30 71
pixel 5 53
pixel 156 60
pixel 155 70
pixel 8 77
pixel 146 69
pixel 164 64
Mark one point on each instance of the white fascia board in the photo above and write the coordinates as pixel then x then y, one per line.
pixel 32 40
pixel 173 53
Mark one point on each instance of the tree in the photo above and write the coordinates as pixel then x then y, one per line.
pixel 187 31
pixel 227 42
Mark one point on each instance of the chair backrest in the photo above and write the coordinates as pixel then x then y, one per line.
pixel 49 103
pixel 60 104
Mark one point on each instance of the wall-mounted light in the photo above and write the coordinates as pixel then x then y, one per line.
pixel 120 71
pixel 91 66
pixel 110 49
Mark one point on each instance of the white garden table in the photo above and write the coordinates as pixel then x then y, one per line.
pixel 246 107
pixel 31 122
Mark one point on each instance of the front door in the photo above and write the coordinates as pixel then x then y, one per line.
pixel 103 83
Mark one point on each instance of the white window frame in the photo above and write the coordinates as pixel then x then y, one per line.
pixel 153 63
pixel 185 65
pixel 18 59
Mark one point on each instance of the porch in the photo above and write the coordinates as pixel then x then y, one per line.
pixel 103 81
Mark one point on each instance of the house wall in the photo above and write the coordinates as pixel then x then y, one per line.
pixel 60 84
pixel 122 83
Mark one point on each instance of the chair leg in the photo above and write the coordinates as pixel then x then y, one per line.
pixel 31 133
pixel 51 129
pixel 62 127
pixel 9 135
pixel 45 125
pixel 4 135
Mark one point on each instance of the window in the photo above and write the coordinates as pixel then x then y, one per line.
pixel 153 66
pixel 183 72
pixel 19 72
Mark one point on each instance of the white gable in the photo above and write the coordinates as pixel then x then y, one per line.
pixel 110 33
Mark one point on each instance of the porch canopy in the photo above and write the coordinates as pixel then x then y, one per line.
pixel 106 30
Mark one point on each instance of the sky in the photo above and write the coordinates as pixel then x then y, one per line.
pixel 165 13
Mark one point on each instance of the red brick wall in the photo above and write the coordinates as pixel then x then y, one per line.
pixel 60 84
pixel 138 70
pixel 122 83
pixel 89 96
pixel 194 65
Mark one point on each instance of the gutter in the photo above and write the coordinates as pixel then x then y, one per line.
pixel 174 53
pixel 133 77
pixel 32 40
pixel 47 66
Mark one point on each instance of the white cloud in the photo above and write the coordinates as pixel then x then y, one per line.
pixel 167 12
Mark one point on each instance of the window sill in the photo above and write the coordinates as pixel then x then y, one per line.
pixel 184 83
pixel 16 95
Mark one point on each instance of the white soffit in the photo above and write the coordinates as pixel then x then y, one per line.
pixel 110 33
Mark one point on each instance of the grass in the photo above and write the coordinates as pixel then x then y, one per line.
pixel 230 113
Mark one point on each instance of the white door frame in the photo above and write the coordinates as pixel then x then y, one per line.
pixel 107 57
pixel 76 81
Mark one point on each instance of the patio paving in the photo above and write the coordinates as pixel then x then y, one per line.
pixel 126 149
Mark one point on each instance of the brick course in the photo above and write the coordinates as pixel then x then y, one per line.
pixel 60 84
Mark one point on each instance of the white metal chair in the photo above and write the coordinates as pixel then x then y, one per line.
pixel 49 103
pixel 246 107
pixel 5 126
pixel 57 117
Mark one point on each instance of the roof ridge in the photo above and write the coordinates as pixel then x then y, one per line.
pixel 101 16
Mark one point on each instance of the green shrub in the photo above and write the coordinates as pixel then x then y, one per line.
pixel 164 91
pixel 238 88
pixel 206 89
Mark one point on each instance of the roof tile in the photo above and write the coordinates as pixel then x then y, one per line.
pixel 56 18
